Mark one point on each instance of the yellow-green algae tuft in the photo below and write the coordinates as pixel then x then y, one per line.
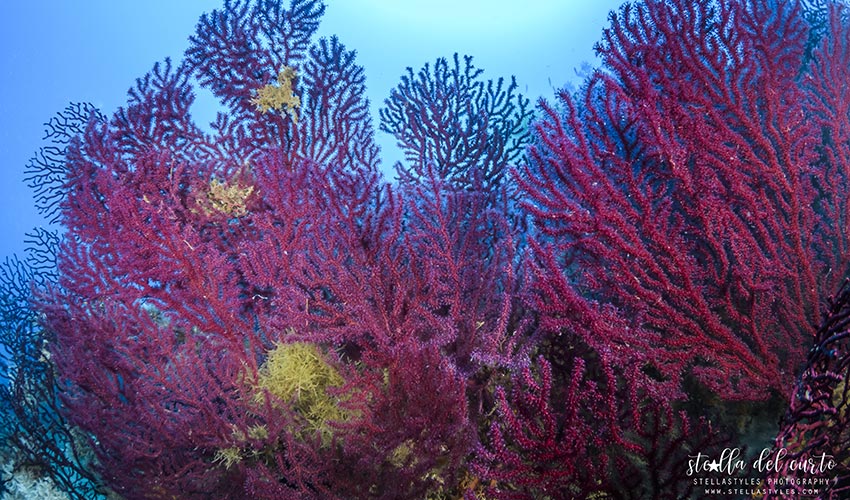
pixel 227 198
pixel 280 97
pixel 298 374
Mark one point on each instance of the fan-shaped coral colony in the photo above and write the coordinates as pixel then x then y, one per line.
pixel 579 300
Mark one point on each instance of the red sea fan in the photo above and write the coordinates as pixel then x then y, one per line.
pixel 161 311
pixel 690 214
pixel 190 257
pixel 679 192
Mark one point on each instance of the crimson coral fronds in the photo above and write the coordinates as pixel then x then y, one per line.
pixel 190 257
pixel 679 192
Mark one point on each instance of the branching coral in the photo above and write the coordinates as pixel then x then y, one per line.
pixel 446 117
